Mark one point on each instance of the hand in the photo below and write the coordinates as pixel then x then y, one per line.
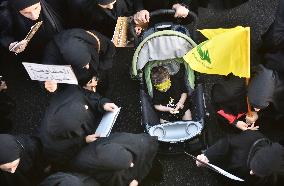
pixel 3 85
pixel 203 158
pixel 131 164
pixel 251 119
pixel 171 110
pixel 51 86
pixel 252 127
pixel 133 183
pixel 181 11
pixel 110 107
pixel 138 30
pixel 142 16
pixel 91 138
pixel 21 46
pixel 243 126
pixel 179 106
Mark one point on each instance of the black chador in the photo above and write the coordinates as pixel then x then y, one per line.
pixel 72 114
pixel 14 26
pixel 247 151
pixel 118 159
pixel 28 150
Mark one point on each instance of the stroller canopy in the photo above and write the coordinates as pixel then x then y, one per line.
pixel 161 45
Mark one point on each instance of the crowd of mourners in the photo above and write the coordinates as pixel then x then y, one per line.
pixel 66 150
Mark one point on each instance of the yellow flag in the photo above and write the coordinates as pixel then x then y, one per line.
pixel 226 51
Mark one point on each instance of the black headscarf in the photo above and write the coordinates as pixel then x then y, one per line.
pixel 228 89
pixel 108 159
pixel 78 48
pixel 62 179
pixel 113 156
pixel 69 179
pixel 268 160
pixel 261 88
pixel 10 149
pixel 22 4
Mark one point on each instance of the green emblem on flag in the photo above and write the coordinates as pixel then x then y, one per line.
pixel 204 55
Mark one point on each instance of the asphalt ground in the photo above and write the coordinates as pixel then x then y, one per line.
pixel 178 169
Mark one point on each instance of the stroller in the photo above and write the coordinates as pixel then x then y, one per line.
pixel 165 44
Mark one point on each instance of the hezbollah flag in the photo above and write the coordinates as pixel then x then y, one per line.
pixel 226 51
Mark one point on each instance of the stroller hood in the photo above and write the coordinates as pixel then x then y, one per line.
pixel 162 45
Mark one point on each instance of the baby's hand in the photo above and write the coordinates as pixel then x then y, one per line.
pixel 171 110
pixel 179 106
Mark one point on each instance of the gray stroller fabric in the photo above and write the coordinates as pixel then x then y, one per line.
pixel 162 48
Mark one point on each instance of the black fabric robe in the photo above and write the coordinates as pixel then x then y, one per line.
pixel 142 147
pixel 273 42
pixel 229 99
pixel 232 152
pixel 69 179
pixel 14 27
pixel 87 14
pixel 30 169
pixel 73 114
pixel 77 48
pixel 7 105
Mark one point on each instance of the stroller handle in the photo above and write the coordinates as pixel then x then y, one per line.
pixel 191 16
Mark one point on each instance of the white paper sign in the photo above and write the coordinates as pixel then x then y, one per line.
pixel 107 123
pixel 58 73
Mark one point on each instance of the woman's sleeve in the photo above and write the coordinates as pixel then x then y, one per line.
pixel 138 5
pixel 107 52
pixel 217 152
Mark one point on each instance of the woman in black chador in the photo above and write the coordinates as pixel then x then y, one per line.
pixel 229 100
pixel 271 72
pixel 20 162
pixel 16 19
pixel 121 159
pixel 71 120
pixel 248 155
pixel 81 49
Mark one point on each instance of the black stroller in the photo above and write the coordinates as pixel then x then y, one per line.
pixel 164 44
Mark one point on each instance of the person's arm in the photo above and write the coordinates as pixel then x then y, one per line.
pixel 164 108
pixel 100 103
pixel 181 101
pixel 217 152
pixel 107 52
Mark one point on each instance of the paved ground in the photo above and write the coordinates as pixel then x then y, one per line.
pixel 179 170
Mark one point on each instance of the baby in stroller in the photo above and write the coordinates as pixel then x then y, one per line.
pixel 169 96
